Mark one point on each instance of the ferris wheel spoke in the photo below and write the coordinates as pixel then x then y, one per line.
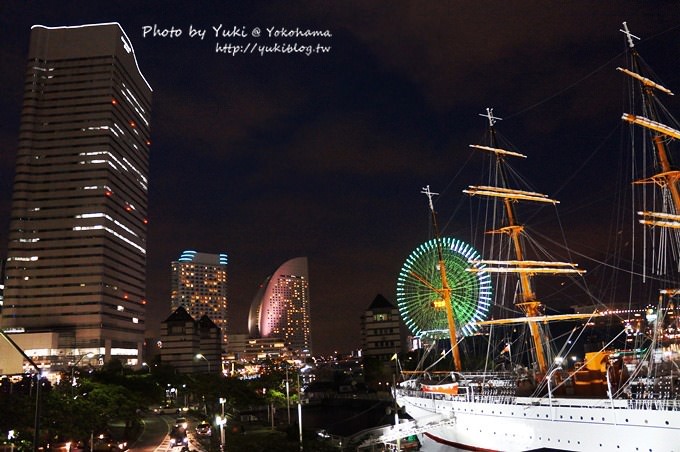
pixel 426 283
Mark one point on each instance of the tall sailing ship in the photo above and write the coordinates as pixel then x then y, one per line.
pixel 616 398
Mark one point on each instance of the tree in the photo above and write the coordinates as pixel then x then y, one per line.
pixel 17 405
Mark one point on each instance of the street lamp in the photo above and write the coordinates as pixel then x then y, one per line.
pixel 223 420
pixel 287 394
pixel 299 409
pixel 201 356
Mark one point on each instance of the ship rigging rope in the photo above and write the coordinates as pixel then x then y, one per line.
pixel 584 164
pixel 600 262
pixel 583 365
pixel 604 264
pixel 586 77
pixel 443 355
pixel 553 96
pixel 422 358
pixel 563 352
pixel 563 90
pixel 660 260
pixel 355 415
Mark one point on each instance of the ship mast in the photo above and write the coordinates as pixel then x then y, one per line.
pixel 666 178
pixel 445 291
pixel 526 269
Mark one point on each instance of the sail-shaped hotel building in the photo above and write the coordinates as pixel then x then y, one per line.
pixel 280 308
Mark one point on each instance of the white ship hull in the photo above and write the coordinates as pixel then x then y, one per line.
pixel 499 423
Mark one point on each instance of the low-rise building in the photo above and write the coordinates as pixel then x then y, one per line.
pixel 191 346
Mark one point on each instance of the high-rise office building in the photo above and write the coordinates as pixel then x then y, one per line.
pixel 76 266
pixel 281 307
pixel 199 285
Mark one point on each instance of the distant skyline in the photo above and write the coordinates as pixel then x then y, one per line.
pixel 270 147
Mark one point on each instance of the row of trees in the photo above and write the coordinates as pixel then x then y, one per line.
pixel 116 393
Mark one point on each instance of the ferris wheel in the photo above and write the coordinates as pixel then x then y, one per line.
pixel 419 285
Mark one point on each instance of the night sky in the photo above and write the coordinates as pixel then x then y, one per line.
pixel 272 156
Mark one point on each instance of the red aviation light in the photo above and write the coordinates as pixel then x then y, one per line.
pixel 114 101
pixel 148 142
pixel 133 124
pixel 108 193
pixel 146 221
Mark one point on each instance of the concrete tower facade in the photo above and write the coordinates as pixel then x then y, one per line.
pixel 76 266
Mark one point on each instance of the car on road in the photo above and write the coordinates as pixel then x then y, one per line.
pixel 105 443
pixel 64 446
pixel 179 438
pixel 203 429
pixel 166 409
pixel 182 422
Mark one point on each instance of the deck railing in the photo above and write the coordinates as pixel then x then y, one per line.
pixel 654 404
pixel 619 404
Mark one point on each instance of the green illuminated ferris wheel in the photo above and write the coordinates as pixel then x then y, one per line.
pixel 419 284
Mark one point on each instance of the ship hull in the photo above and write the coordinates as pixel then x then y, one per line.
pixel 524 424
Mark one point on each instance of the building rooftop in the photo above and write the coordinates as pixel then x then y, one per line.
pixel 380 302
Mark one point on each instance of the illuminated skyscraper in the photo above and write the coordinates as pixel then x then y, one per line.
pixel 199 285
pixel 76 267
pixel 281 307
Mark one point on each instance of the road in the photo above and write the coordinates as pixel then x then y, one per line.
pixel 155 438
